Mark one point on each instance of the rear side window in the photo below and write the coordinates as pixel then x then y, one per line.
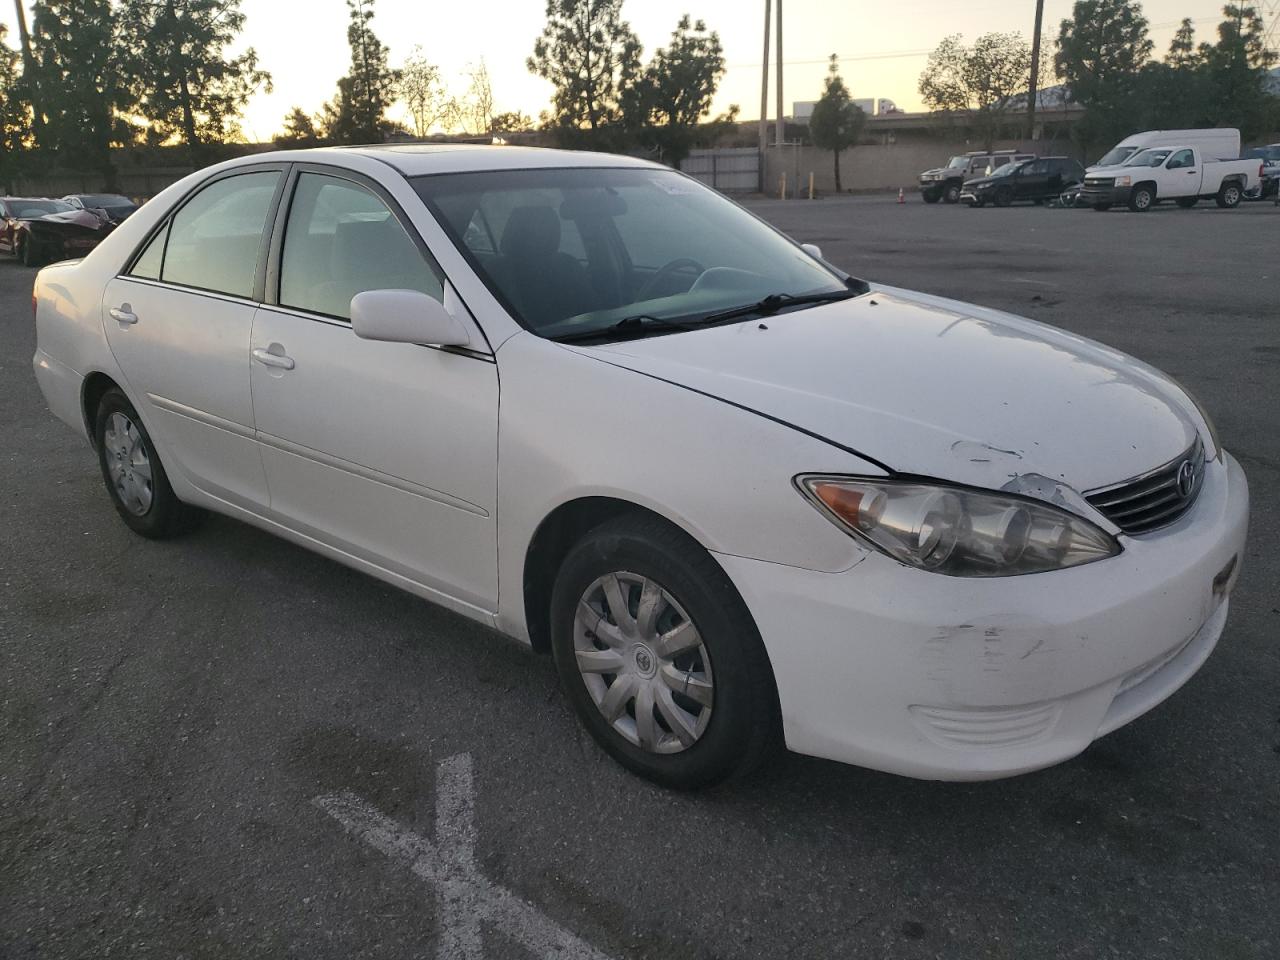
pixel 342 240
pixel 215 238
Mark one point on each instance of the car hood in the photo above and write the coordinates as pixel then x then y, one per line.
pixel 1107 171
pixel 936 170
pixel 984 181
pixel 72 218
pixel 936 388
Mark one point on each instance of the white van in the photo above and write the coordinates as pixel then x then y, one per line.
pixel 1216 143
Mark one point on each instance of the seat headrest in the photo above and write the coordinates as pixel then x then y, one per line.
pixel 531 232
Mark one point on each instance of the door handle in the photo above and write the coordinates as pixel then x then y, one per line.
pixel 269 359
pixel 123 314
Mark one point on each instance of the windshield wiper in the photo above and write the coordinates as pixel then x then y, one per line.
pixel 636 326
pixel 775 302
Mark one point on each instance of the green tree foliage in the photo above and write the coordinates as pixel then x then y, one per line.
pixel 15 125
pixel 1101 51
pixel 510 122
pixel 358 111
pixel 985 79
pixel 75 48
pixel 591 57
pixel 299 131
pixel 182 81
pixel 1236 67
pixel 837 121
pixel 664 106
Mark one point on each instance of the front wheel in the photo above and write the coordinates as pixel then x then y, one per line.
pixel 29 253
pixel 951 193
pixel 659 656
pixel 136 482
pixel 1229 195
pixel 1141 199
pixel 930 197
pixel 1004 197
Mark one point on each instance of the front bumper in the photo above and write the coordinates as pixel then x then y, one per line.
pixel 950 678
pixel 1110 195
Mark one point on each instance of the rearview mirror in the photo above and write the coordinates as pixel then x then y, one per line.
pixel 405 316
pixel 812 249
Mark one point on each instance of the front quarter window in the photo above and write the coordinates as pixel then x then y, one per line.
pixel 570 251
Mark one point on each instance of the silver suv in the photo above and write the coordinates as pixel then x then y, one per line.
pixel 944 183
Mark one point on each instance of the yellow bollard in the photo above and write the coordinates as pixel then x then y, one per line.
pixel 782 187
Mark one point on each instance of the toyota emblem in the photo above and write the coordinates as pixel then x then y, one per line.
pixel 1186 479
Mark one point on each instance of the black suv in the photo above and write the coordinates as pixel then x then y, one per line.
pixel 1035 180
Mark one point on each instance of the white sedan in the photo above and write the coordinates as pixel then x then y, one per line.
pixel 742 497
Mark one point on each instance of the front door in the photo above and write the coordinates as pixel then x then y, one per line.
pixel 387 451
pixel 178 322
pixel 1180 176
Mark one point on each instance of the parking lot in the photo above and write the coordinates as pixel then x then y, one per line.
pixel 225 746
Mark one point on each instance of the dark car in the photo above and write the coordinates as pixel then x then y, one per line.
pixel 1269 185
pixel 118 208
pixel 37 229
pixel 1035 180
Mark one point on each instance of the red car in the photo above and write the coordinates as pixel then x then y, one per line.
pixel 38 230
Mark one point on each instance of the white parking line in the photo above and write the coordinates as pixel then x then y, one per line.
pixel 467 898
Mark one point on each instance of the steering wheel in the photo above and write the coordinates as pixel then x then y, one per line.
pixel 665 271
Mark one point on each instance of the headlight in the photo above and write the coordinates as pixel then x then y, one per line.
pixel 956 531
pixel 1123 181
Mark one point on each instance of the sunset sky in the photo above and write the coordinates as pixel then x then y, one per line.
pixel 883 49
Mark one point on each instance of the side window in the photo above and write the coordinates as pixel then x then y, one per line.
pixel 148 265
pixel 214 239
pixel 1034 169
pixel 341 240
pixel 1183 158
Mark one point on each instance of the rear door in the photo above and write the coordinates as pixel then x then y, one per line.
pixel 1031 181
pixel 178 321
pixel 386 451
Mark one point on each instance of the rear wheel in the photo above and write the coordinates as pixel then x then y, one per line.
pixel 1141 199
pixel 135 478
pixel 951 193
pixel 1186 203
pixel 1229 195
pixel 659 656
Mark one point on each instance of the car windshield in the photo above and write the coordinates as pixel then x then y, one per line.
pixel 1007 168
pixel 38 208
pixel 958 163
pixel 578 250
pixel 1148 158
pixel 105 200
pixel 1116 156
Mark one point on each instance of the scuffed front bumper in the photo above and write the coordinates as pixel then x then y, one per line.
pixel 965 679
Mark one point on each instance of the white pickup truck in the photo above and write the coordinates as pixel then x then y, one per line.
pixel 1177 173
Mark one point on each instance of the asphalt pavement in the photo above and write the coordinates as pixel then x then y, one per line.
pixel 224 746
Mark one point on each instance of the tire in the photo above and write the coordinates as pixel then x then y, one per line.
pixel 148 506
pixel 979 202
pixel 1186 203
pixel 1102 207
pixel 736 726
pixel 951 193
pixel 1229 195
pixel 28 253
pixel 1004 197
pixel 1141 199
pixel 930 197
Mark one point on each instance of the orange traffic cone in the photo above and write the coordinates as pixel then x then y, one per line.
pixel 901 196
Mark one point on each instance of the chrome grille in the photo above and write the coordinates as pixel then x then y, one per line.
pixel 1155 498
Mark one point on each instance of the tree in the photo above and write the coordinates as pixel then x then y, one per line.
pixel 1175 94
pixel 298 133
pixel 1101 50
pixel 15 127
pixel 182 80
pixel 479 104
pixel 986 79
pixel 836 123
pixel 512 122
pixel 675 91
pixel 592 57
pixel 74 43
pixel 1237 67
pixel 424 92
pixel 358 112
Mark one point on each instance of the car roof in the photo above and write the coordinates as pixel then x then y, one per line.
pixel 421 159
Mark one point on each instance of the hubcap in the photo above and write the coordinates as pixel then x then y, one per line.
pixel 128 464
pixel 643 662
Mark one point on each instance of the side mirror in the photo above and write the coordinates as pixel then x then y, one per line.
pixel 405 316
pixel 812 249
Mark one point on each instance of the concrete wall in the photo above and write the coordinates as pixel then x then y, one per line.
pixel 139 183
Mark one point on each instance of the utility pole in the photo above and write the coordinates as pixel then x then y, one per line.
pixel 30 80
pixel 1034 91
pixel 764 89
pixel 782 124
